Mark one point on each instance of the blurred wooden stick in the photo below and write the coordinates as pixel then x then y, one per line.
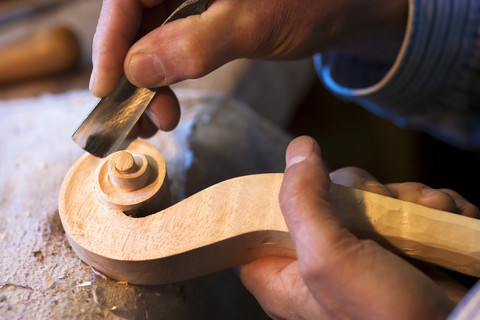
pixel 44 52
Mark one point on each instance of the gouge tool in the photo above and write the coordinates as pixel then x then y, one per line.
pixel 105 128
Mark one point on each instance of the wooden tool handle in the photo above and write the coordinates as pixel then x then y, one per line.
pixel 239 220
pixel 44 52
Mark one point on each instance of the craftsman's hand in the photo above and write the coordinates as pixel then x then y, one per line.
pixel 229 29
pixel 336 274
pixel 441 199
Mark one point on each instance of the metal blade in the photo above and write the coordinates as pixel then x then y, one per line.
pixel 105 128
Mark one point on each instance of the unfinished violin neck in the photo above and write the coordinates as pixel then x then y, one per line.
pixel 117 216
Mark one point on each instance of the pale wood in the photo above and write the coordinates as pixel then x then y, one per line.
pixel 131 171
pixel 46 51
pixel 442 238
pixel 238 220
pixel 134 181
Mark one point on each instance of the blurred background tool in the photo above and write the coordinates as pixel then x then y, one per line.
pixel 46 51
pixel 26 10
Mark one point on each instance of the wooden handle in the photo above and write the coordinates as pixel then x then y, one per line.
pixel 239 220
pixel 44 52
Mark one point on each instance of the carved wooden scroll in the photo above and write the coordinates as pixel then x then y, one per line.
pixel 228 224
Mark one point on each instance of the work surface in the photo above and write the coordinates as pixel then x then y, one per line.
pixel 218 138
pixel 43 278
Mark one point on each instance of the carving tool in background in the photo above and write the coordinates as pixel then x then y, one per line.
pixel 44 52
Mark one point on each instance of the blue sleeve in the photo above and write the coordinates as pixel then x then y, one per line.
pixel 434 83
pixel 469 307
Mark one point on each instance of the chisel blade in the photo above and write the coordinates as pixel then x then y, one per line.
pixel 108 124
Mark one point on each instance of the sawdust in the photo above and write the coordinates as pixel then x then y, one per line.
pixel 42 278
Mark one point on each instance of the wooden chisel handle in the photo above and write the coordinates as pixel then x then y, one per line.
pixel 46 51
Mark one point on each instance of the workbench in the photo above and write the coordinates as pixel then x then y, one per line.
pixel 232 124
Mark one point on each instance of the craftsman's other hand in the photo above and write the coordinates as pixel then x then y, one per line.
pixel 336 274
pixel 230 29
pixel 419 193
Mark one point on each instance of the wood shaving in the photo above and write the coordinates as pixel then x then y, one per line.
pixel 85 284
pixel 46 268
pixel 99 274
pixel 51 283
pixel 13 285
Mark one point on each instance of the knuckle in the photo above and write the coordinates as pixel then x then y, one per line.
pixel 447 191
pixel 194 57
pixel 415 186
pixel 445 195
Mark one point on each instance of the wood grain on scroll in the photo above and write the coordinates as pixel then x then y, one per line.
pixel 239 220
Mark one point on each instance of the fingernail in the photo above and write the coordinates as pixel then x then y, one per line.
pixel 149 68
pixel 92 80
pixel 302 151
pixel 153 117
pixel 295 159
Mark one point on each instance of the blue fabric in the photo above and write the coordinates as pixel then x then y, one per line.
pixel 434 84
pixel 469 307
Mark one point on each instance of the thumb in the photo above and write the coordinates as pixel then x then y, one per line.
pixel 325 250
pixel 305 199
pixel 185 49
